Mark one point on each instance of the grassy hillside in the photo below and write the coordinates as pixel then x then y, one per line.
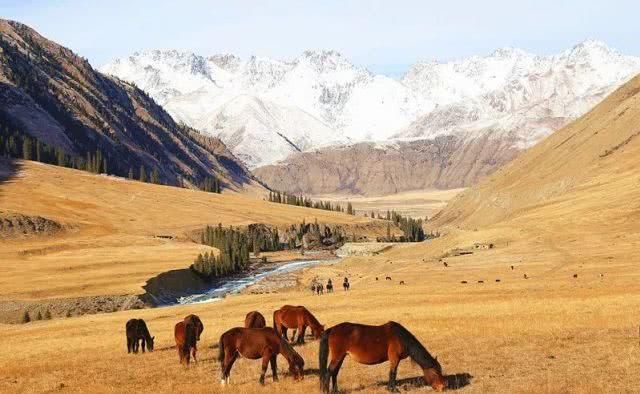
pixel 116 230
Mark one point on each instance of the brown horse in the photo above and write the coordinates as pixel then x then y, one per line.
pixel 137 332
pixel 254 344
pixel 374 345
pixel 298 318
pixel 187 334
pixel 254 320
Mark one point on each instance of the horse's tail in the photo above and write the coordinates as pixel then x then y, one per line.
pixel 275 323
pixel 323 359
pixel 414 348
pixel 221 349
pixel 189 337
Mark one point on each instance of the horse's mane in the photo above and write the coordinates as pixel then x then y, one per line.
pixel 289 353
pixel 414 348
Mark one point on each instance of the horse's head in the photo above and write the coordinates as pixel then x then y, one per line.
pixel 296 367
pixel 150 343
pixel 433 376
pixel 317 331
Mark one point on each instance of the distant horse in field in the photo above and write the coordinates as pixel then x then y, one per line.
pixel 257 343
pixel 313 288
pixel 320 288
pixel 387 278
pixel 445 264
pixel 137 332
pixel 187 334
pixel 374 345
pixel 402 282
pixel 254 320
pixel 329 286
pixel 297 318
pixel 345 284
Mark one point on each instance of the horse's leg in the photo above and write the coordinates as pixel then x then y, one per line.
pixel 144 344
pixel 274 367
pixel 393 372
pixel 195 349
pixel 301 330
pixel 283 332
pixel 136 345
pixel 266 358
pixel 229 359
pixel 129 345
pixel 293 334
pixel 334 368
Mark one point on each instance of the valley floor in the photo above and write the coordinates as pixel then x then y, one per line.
pixel 551 333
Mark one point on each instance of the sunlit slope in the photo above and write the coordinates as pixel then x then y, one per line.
pixel 584 174
pixel 119 233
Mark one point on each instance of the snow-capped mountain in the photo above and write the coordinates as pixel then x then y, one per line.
pixel 265 109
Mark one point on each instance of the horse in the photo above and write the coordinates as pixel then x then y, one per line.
pixel 137 331
pixel 402 282
pixel 345 284
pixel 387 278
pixel 445 264
pixel 329 286
pixel 298 318
pixel 254 320
pixel 313 288
pixel 187 334
pixel 256 343
pixel 372 345
pixel 319 289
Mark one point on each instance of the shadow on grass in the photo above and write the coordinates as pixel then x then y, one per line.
pixel 8 169
pixel 453 382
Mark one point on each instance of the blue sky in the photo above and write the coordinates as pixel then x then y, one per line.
pixel 385 36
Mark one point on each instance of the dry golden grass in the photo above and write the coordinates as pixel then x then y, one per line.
pixel 415 203
pixel 113 248
pixel 551 333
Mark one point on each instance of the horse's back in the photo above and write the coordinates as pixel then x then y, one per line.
pixel 254 319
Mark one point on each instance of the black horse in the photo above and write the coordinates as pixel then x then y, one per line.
pixel 329 286
pixel 345 284
pixel 319 289
pixel 136 332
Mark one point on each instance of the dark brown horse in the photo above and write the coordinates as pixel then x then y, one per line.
pixel 254 320
pixel 297 318
pixel 374 345
pixel 254 344
pixel 187 334
pixel 137 332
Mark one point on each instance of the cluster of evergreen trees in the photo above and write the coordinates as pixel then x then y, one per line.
pixel 233 245
pixel 302 201
pixel 210 184
pixel 263 239
pixel 412 228
pixel 16 145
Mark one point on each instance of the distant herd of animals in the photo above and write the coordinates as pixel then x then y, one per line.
pixel 365 344
pixel 318 288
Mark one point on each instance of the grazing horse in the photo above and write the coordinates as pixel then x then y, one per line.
pixel 387 278
pixel 254 320
pixel 345 284
pixel 372 345
pixel 297 318
pixel 329 286
pixel 187 334
pixel 256 343
pixel 137 332
pixel 402 282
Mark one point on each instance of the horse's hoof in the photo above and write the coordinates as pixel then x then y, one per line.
pixel 223 382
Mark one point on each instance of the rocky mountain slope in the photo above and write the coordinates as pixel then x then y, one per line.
pixel 50 93
pixel 368 168
pixel 583 177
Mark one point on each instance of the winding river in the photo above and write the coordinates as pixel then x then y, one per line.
pixel 183 287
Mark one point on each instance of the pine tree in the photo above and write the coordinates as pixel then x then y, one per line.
pixel 26 318
pixel 47 315
pixel 27 149
pixel 155 176
pixel 130 176
pixel 39 316
pixel 143 174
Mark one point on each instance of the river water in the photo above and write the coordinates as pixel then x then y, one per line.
pixel 238 283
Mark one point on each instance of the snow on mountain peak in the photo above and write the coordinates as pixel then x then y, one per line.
pixel 320 97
